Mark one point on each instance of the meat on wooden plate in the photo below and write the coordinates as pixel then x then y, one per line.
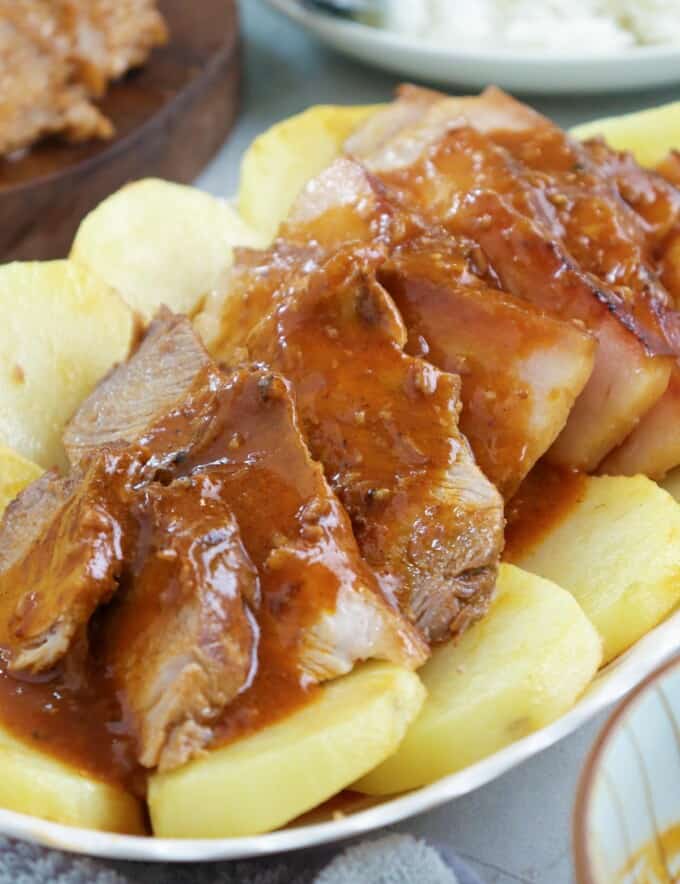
pixel 459 176
pixel 56 55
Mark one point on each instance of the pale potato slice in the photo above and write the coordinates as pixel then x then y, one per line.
pixel 618 552
pixel 262 781
pixel 15 474
pixel 63 328
pixel 34 783
pixel 648 134
pixel 515 671
pixel 161 243
pixel 280 161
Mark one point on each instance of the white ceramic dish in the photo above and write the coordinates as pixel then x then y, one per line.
pixel 629 792
pixel 611 684
pixel 520 71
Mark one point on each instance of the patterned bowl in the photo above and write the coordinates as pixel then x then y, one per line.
pixel 626 822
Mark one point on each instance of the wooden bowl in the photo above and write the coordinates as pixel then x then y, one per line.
pixel 171 117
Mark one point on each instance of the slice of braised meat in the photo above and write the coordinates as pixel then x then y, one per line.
pixel 247 424
pixel 521 370
pixel 385 427
pixel 456 175
pixel 653 447
pixel 623 248
pixel 156 380
pixel 321 605
pixel 180 639
pixel 63 542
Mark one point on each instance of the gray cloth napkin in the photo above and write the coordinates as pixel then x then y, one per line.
pixel 392 859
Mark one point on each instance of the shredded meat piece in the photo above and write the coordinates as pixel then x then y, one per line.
pixel 56 54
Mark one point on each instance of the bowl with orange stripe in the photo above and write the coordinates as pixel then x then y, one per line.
pixel 626 823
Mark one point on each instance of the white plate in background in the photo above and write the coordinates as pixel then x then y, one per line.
pixel 516 70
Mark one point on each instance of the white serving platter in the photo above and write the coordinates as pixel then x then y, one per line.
pixel 611 684
pixel 542 72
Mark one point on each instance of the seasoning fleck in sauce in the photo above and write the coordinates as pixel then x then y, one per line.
pixel 658 862
pixel 544 499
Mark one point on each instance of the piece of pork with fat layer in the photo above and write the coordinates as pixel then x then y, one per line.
pixel 521 370
pixel 456 175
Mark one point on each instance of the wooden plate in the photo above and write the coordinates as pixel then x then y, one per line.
pixel 171 117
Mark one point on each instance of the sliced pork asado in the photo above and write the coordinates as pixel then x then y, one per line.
pixel 521 370
pixel 63 544
pixel 459 176
pixel 322 609
pixel 385 427
pixel 180 639
pixel 654 446
pixel 155 383
pixel 245 423
pixel 621 241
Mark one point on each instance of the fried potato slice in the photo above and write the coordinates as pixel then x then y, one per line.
pixel 63 329
pixel 156 243
pixel 15 474
pixel 515 671
pixel 618 552
pixel 281 160
pixel 262 781
pixel 648 134
pixel 34 783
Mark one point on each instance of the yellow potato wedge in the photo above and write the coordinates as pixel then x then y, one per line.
pixel 262 781
pixel 63 328
pixel 648 134
pixel 15 474
pixel 32 782
pixel 618 552
pixel 280 161
pixel 156 243
pixel 515 671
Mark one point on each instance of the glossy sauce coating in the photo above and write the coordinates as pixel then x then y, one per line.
pixel 384 425
pixel 75 717
pixel 545 498
pixel 597 227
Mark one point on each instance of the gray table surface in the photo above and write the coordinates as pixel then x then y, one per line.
pixel 517 828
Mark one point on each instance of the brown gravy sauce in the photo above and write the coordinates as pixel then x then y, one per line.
pixel 75 719
pixel 543 500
